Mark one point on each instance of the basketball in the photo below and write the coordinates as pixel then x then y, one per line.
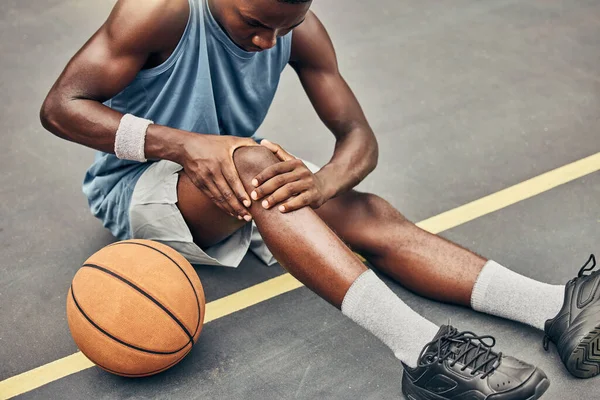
pixel 136 308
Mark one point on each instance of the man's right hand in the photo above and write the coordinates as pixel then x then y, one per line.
pixel 208 162
pixel 135 32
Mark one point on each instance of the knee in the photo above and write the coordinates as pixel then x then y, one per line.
pixel 378 209
pixel 253 160
pixel 378 220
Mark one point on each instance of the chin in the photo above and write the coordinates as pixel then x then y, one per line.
pixel 252 49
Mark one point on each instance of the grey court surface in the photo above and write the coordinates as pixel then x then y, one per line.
pixel 466 98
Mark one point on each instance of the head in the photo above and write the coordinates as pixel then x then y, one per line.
pixel 255 25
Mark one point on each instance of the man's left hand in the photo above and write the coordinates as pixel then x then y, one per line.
pixel 289 183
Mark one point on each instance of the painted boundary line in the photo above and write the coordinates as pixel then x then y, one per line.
pixel 264 291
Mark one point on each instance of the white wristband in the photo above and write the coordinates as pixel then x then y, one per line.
pixel 131 137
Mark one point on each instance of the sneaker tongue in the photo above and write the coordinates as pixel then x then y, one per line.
pixel 455 348
pixel 444 330
pixel 472 353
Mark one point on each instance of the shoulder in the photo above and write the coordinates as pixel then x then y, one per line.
pixel 147 25
pixel 311 45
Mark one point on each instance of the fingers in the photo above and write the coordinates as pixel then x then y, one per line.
pixel 234 182
pixel 230 198
pixel 213 171
pixel 211 191
pixel 280 182
pixel 277 150
pixel 284 193
pixel 296 203
pixel 273 184
pixel 276 169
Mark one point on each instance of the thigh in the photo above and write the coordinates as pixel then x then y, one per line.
pixel 207 222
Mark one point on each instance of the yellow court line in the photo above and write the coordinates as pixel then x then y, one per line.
pixel 77 362
pixel 74 363
pixel 514 194
pixel 251 296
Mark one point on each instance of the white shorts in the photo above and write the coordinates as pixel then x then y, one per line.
pixel 154 215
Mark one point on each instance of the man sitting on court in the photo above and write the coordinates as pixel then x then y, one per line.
pixel 171 94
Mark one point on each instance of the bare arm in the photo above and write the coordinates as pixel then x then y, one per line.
pixel 137 33
pixel 356 151
pixel 134 32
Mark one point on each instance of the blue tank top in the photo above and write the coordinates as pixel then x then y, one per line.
pixel 208 85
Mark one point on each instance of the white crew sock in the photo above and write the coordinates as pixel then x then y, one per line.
pixel 504 293
pixel 372 305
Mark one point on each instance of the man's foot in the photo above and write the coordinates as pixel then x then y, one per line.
pixel 461 365
pixel 576 328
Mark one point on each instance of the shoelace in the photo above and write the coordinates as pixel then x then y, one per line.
pixel 470 353
pixel 581 274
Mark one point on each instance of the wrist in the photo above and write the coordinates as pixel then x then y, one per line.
pixel 331 187
pixel 164 143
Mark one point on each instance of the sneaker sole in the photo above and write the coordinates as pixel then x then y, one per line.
pixel 584 361
pixel 413 392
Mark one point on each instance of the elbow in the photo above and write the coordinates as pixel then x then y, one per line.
pixel 49 114
pixel 374 155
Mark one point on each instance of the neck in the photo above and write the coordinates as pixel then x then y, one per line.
pixel 217 12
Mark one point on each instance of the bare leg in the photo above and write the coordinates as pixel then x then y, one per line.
pixel 315 255
pixel 424 263
pixel 300 241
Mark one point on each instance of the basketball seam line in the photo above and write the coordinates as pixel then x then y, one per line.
pixel 116 338
pixel 181 269
pixel 149 372
pixel 140 290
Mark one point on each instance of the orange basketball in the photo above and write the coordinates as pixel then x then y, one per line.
pixel 136 308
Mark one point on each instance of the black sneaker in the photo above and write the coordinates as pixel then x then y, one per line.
pixel 576 328
pixel 460 365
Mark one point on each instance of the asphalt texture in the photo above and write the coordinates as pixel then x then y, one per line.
pixel 465 99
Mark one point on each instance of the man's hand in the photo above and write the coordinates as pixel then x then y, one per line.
pixel 208 161
pixel 289 182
